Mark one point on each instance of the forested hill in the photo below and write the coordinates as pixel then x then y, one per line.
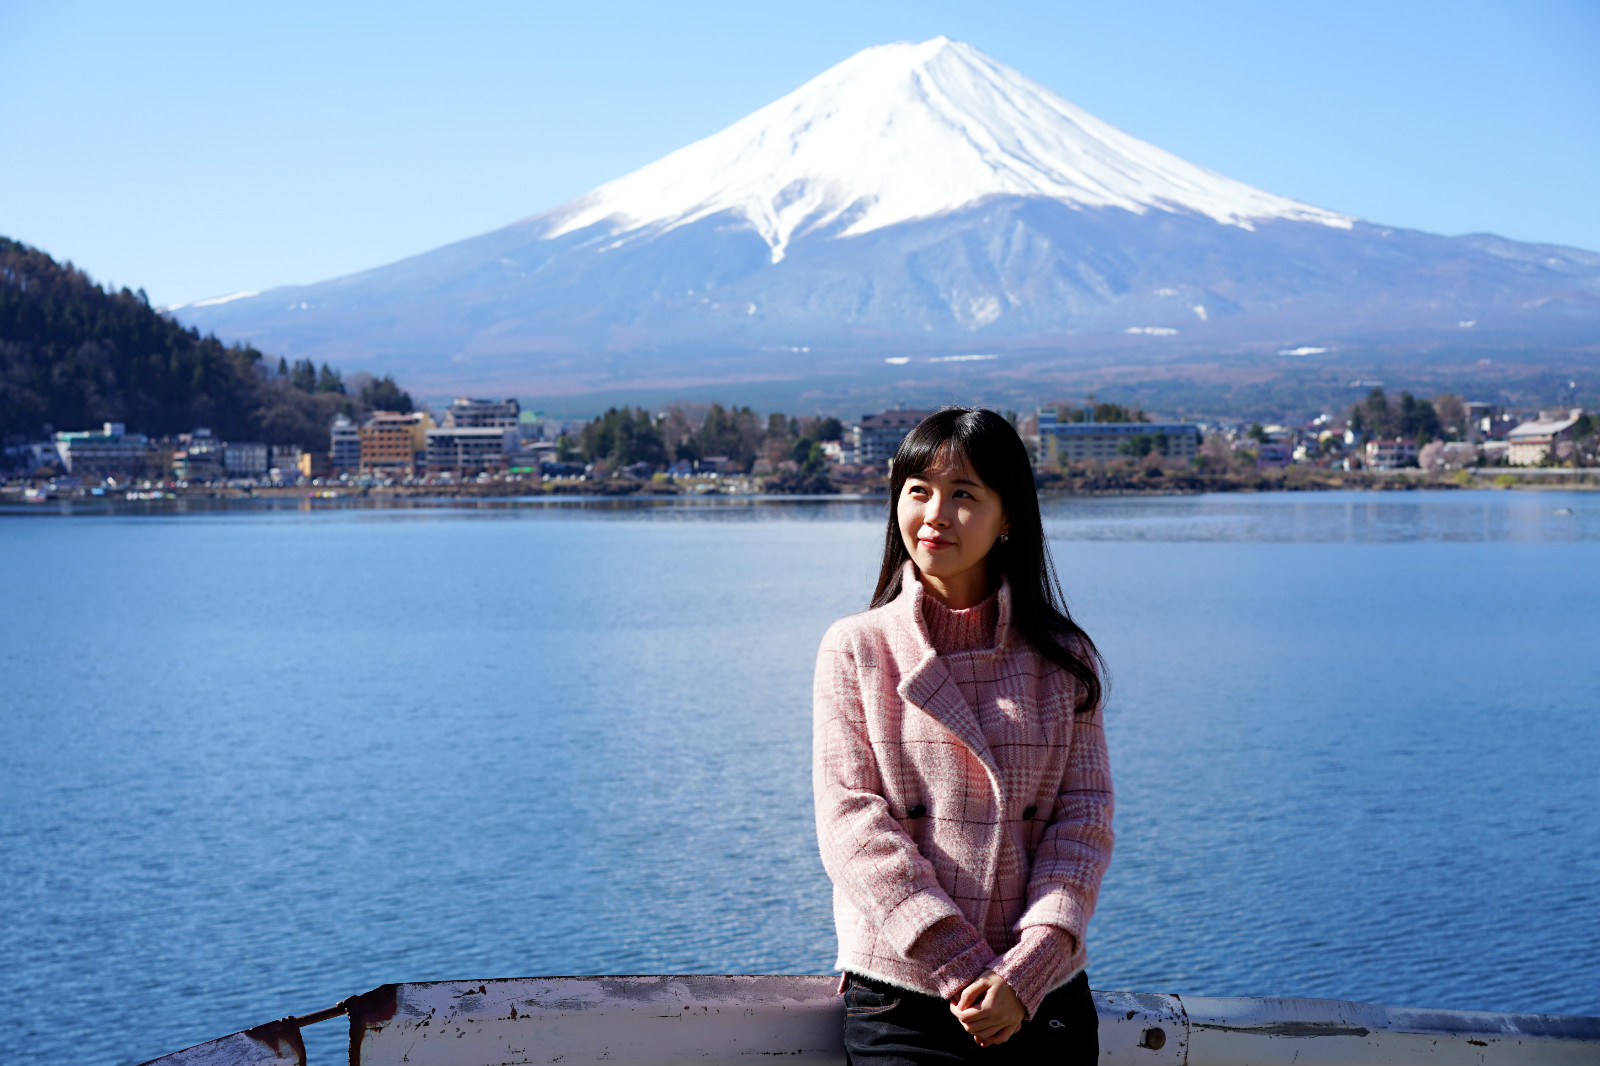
pixel 74 355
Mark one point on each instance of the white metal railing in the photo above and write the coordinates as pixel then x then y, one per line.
pixel 668 1021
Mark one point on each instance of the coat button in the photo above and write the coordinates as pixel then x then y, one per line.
pixel 917 811
pixel 1030 811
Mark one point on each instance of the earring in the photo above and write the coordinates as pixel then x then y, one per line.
pixel 1004 537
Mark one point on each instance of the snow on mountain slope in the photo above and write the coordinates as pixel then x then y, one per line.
pixel 909 131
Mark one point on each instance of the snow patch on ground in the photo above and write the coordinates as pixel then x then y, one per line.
pixel 215 301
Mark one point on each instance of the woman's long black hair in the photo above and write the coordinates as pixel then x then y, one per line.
pixel 999 458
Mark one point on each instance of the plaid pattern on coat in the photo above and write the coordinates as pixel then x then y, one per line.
pixel 892 733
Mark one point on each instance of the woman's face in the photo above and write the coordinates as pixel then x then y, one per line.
pixel 948 518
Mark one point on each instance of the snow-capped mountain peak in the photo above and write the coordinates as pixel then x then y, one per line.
pixel 910 131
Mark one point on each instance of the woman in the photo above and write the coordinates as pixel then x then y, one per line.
pixel 963 796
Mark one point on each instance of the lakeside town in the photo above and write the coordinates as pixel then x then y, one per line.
pixel 496 447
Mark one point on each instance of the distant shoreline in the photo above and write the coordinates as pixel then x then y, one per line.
pixel 1052 486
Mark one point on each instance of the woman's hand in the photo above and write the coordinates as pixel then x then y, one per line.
pixel 989 1009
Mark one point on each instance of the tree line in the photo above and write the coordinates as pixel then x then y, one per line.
pixel 628 435
pixel 1100 412
pixel 74 355
pixel 1410 419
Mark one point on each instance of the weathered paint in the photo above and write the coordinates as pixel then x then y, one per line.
pixel 664 1021
pixel 273 1044
pixel 641 1021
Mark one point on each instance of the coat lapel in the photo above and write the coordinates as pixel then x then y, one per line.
pixel 928 684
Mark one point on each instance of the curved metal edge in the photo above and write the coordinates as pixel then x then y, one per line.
pixel 273 1044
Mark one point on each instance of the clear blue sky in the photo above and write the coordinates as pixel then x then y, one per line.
pixel 198 149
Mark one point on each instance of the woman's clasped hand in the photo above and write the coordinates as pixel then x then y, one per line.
pixel 989 1010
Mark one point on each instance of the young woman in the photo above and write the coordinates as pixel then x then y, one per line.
pixel 963 796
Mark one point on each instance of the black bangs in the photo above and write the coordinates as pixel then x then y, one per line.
pixel 994 451
pixel 925 447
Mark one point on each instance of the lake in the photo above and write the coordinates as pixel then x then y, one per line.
pixel 254 760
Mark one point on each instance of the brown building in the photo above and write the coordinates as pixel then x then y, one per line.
pixel 394 444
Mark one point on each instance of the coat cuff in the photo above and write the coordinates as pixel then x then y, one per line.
pixel 954 953
pixel 1035 965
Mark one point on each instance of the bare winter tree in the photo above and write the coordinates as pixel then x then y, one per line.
pixel 1452 415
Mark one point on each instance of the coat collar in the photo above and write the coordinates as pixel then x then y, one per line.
pixel 928 683
pixel 908 607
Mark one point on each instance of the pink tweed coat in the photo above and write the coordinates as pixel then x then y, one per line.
pixel 919 817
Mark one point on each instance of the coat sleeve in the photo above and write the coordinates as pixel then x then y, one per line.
pixel 866 851
pixel 1071 858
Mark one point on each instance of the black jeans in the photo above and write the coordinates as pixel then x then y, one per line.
pixel 889 1026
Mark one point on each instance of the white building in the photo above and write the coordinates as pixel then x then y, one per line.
pixel 285 459
pixel 109 452
pixel 470 449
pixel 482 414
pixel 1532 442
pixel 1061 442
pixel 1391 453
pixel 837 451
pixel 344 450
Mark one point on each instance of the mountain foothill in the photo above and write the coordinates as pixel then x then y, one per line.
pixel 74 355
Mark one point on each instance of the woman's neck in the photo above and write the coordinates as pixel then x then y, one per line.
pixel 958 591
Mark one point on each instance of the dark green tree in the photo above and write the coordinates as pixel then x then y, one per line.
pixel 329 380
pixel 735 433
pixel 829 428
pixel 304 375
pixel 382 394
pixel 623 437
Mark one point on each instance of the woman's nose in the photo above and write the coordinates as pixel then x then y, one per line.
pixel 933 511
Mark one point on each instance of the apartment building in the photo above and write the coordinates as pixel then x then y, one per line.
pixel 1065 442
pixel 394 444
pixel 482 414
pixel 110 451
pixel 344 449
pixel 469 449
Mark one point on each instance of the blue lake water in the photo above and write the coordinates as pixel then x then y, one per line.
pixel 253 761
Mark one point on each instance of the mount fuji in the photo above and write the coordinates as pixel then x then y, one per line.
pixel 917 201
